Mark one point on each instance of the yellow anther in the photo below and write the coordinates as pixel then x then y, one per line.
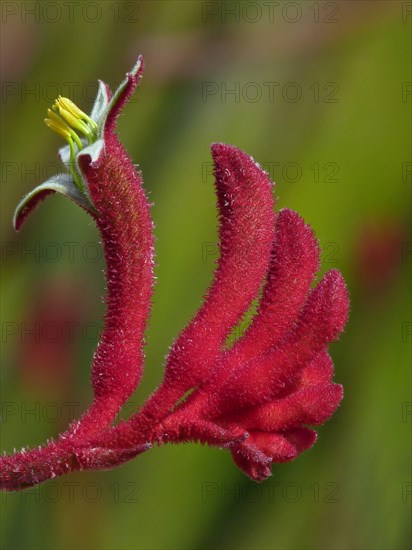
pixel 57 119
pixel 65 105
pixel 56 128
pixel 74 122
pixel 56 123
pixel 64 118
pixel 68 105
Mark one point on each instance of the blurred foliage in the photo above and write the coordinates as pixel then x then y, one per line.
pixel 352 490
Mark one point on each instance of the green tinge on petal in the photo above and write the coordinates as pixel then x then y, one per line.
pixel 101 103
pixel 119 91
pixel 63 184
pixel 123 84
pixel 94 151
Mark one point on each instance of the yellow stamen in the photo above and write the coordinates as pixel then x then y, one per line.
pixel 74 122
pixel 64 118
pixel 61 127
pixel 58 127
pixel 63 103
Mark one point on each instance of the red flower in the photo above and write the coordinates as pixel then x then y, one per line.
pixel 255 398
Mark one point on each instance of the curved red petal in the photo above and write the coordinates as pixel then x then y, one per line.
pixel 325 314
pixel 294 263
pixel 246 231
pixel 132 80
pixel 308 405
pixel 301 438
pixel 30 206
pixel 125 225
pixel 255 455
pixel 245 204
pixel 321 321
pixel 317 371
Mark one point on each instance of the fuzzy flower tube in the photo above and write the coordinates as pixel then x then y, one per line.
pixel 256 398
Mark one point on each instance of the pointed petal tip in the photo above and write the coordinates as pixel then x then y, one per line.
pixel 293 225
pixel 261 474
pixel 224 150
pixel 289 215
pixel 27 205
pixel 292 218
pixel 138 67
pixel 219 147
pixel 336 397
pixel 229 157
pixel 17 222
pixel 340 293
pixel 122 95
pixel 330 298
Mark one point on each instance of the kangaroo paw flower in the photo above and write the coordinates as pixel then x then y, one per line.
pixel 102 179
pixel 254 399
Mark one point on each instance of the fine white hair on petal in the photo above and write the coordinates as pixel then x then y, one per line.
pixel 101 103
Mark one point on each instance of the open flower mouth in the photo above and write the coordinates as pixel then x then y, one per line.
pixel 66 119
pixel 255 399
pixel 86 137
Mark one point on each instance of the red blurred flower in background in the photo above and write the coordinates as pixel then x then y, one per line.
pixel 381 246
pixel 255 398
pixel 47 351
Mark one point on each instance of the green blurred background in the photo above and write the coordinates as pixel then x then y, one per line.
pixel 321 99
